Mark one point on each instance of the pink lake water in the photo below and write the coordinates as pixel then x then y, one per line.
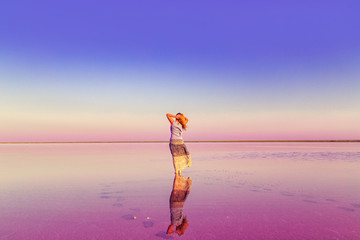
pixel 121 191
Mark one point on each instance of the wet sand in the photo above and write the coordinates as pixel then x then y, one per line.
pixel 239 191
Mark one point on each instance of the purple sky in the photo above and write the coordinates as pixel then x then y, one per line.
pixel 83 70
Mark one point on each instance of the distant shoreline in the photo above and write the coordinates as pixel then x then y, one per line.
pixel 190 141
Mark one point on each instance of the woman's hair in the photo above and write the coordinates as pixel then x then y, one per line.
pixel 181 121
pixel 180 230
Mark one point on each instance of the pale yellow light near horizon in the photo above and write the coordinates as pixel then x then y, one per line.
pixel 232 126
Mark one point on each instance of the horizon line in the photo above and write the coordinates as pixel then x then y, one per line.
pixel 188 141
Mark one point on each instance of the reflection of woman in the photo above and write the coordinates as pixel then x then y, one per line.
pixel 179 152
pixel 180 191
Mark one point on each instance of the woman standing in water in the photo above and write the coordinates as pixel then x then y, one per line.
pixel 179 152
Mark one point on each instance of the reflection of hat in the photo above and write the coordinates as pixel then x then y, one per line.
pixel 180 230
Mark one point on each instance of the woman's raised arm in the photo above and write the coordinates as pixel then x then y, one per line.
pixel 169 117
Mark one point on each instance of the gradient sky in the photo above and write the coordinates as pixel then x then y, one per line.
pixel 111 70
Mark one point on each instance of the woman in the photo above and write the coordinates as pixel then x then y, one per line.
pixel 179 152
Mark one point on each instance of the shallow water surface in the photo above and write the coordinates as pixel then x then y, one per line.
pixel 236 191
